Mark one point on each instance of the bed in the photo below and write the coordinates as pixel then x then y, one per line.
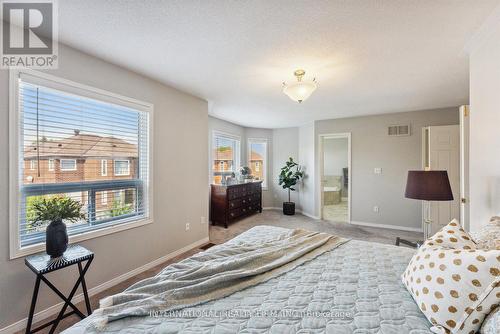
pixel 354 288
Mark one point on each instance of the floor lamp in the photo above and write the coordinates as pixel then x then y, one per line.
pixel 427 185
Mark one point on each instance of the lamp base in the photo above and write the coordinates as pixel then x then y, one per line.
pixel 416 244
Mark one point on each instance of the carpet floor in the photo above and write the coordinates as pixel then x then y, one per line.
pixel 220 234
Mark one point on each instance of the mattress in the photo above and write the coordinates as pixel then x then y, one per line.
pixel 355 288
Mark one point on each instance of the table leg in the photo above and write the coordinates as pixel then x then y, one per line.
pixel 84 288
pixel 60 316
pixel 33 304
pixel 63 297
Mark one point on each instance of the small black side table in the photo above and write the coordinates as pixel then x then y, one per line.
pixel 42 264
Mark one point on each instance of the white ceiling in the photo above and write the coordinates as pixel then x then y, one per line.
pixel 368 56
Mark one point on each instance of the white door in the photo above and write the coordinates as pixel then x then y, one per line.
pixel 444 154
pixel 464 166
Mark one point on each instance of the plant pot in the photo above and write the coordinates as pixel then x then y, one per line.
pixel 289 208
pixel 56 238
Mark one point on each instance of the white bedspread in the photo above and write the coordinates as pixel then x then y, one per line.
pixel 354 288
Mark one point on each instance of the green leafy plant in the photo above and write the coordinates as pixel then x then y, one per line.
pixel 290 175
pixel 56 208
pixel 245 171
pixel 118 209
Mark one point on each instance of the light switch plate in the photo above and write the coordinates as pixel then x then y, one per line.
pixel 377 170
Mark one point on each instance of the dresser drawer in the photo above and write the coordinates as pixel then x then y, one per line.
pixel 235 213
pixel 239 202
pixel 233 193
pixel 250 198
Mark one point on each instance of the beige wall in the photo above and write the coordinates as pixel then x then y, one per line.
pixel 484 172
pixel 308 197
pixel 285 145
pixel 370 148
pixel 180 189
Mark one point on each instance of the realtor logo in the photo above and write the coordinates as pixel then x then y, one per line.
pixel 29 34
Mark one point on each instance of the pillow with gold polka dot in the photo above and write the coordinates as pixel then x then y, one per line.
pixel 455 284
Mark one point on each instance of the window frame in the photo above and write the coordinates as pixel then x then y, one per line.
pixel 15 157
pixel 264 168
pixel 121 160
pixel 51 165
pixel 237 157
pixel 104 198
pixel 104 167
pixel 68 169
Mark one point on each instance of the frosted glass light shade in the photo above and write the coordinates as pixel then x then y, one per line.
pixel 300 91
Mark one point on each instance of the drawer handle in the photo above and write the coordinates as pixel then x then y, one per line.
pixel 244 210
pixel 232 214
pixel 244 201
pixel 232 205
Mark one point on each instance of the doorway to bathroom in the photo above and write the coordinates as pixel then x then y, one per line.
pixel 335 188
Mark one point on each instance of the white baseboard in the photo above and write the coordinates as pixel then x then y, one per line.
pixel 296 211
pixel 21 324
pixel 271 208
pixel 309 215
pixel 392 227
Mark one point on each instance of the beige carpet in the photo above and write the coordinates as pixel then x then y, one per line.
pixel 219 235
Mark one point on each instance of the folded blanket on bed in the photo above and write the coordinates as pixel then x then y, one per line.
pixel 216 273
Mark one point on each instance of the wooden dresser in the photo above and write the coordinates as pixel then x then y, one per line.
pixel 236 201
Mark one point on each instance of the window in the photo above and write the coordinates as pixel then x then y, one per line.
pixel 32 164
pixel 80 127
pixel 104 167
pixel 68 165
pixel 257 159
pixel 225 155
pixel 122 167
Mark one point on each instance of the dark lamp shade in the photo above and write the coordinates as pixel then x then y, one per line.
pixel 432 185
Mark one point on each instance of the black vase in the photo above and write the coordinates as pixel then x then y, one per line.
pixel 56 238
pixel 289 208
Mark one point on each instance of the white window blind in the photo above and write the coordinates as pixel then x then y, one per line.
pixel 257 159
pixel 68 164
pixel 225 155
pixel 64 127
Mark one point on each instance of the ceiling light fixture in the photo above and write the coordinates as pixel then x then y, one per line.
pixel 301 90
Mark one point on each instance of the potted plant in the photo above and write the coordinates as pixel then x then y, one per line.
pixel 54 210
pixel 246 173
pixel 290 175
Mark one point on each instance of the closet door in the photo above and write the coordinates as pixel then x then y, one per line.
pixel 444 154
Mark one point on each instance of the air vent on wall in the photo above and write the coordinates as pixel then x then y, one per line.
pixel 399 130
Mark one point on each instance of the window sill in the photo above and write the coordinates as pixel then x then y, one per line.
pixel 28 250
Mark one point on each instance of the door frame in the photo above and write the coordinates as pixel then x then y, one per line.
pixel 321 152
pixel 464 166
